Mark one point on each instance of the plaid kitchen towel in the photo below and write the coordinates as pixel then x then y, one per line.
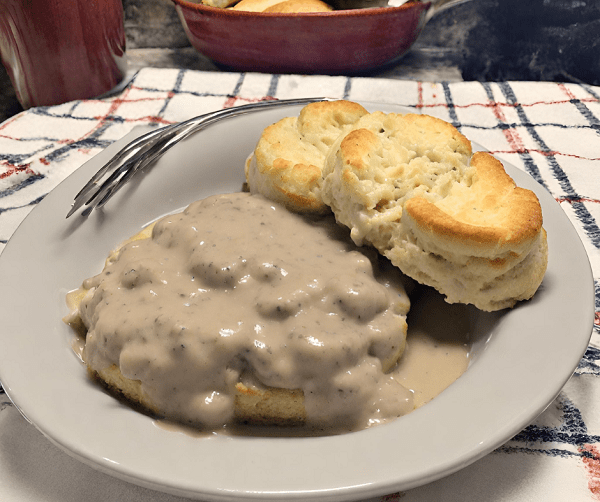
pixel 549 130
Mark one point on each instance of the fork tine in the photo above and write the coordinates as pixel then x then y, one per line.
pixel 122 175
pixel 107 188
pixel 93 189
pixel 118 157
pixel 124 172
pixel 83 197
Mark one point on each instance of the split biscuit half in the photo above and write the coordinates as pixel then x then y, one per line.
pixel 253 405
pixel 410 186
pixel 286 165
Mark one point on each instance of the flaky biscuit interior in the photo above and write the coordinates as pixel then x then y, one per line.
pixel 408 185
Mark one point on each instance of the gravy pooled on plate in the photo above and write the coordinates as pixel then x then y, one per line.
pixel 237 297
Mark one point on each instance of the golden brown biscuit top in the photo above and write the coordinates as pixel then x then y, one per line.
pixel 419 168
pixel 491 212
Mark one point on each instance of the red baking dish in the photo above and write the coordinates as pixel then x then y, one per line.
pixel 337 42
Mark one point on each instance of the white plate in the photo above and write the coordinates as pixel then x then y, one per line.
pixel 521 358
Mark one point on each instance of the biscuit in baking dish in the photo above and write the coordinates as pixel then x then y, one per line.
pixel 221 4
pixel 287 162
pixel 407 184
pixel 254 5
pixel 281 6
pixel 291 6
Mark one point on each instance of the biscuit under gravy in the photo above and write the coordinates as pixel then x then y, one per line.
pixel 408 185
pixel 287 162
pixel 238 310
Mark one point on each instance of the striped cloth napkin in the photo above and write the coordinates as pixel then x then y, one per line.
pixel 549 130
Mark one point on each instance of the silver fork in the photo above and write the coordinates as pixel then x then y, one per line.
pixel 150 146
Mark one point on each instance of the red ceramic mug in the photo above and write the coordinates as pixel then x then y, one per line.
pixel 60 50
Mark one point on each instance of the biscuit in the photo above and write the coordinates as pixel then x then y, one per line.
pixel 287 162
pixel 254 5
pixel 220 4
pixel 253 405
pixel 291 6
pixel 362 4
pixel 122 355
pixel 407 185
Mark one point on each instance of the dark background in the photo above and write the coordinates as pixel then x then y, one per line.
pixel 552 40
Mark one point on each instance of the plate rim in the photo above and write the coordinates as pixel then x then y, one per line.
pixel 387 485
